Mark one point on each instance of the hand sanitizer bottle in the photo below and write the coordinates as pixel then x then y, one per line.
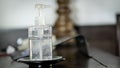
pixel 40 38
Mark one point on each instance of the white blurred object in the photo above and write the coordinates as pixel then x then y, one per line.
pixel 19 41
pixel 10 49
pixel 24 45
pixel 53 41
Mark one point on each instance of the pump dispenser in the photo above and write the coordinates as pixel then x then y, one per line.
pixel 40 19
pixel 40 37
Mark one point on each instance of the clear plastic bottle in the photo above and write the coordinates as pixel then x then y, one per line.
pixel 40 39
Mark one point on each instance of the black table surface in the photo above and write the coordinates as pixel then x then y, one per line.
pixel 98 59
pixel 74 59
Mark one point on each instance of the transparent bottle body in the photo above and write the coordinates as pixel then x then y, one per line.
pixel 40 41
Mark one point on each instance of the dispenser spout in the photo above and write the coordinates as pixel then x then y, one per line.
pixel 40 19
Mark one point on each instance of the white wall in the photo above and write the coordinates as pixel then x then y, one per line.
pixel 21 13
pixel 95 12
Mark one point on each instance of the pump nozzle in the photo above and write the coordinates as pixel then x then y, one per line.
pixel 40 19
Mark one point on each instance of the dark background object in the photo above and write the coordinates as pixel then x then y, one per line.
pixel 118 31
pixel 9 37
pixel 102 37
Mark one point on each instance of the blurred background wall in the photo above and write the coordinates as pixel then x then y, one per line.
pixel 96 20
pixel 21 13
